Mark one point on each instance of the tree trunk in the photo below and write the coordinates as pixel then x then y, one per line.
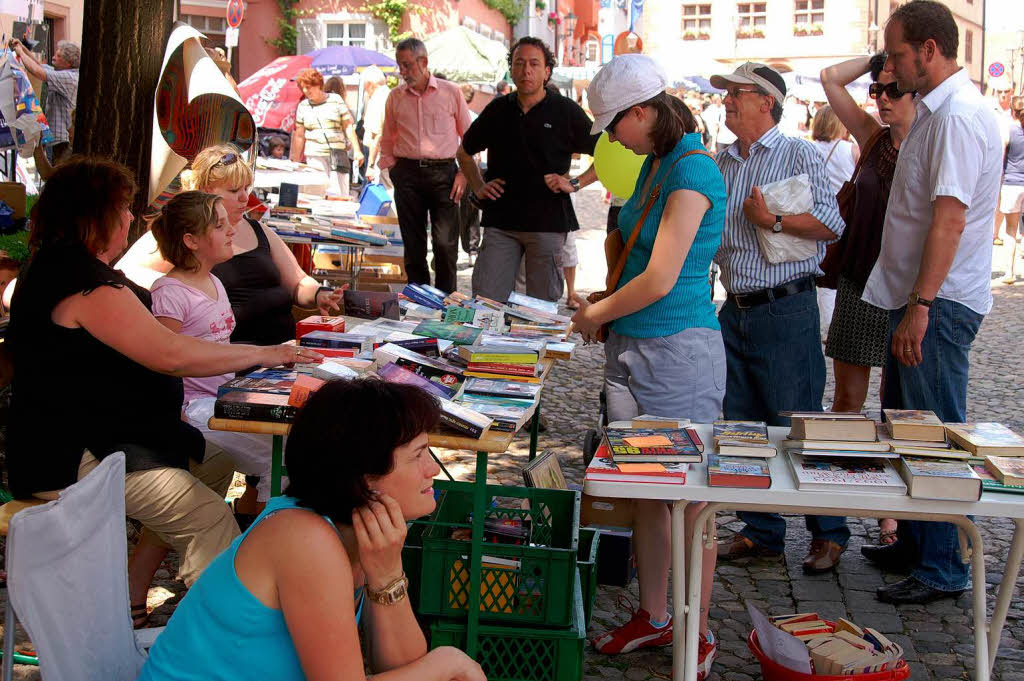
pixel 120 67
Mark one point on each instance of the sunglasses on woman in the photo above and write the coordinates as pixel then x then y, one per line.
pixel 610 128
pixel 891 90
pixel 228 159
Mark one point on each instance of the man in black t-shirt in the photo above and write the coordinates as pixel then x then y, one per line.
pixel 529 133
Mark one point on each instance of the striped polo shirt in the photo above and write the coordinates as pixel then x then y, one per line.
pixel 773 157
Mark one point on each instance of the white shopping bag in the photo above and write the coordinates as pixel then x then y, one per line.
pixel 791 196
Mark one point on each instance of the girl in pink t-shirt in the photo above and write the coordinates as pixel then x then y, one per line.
pixel 194 235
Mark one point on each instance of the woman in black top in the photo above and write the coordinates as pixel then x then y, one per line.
pixel 263 280
pixel 859 334
pixel 96 373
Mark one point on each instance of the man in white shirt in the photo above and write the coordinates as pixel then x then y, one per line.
pixel 375 89
pixel 933 270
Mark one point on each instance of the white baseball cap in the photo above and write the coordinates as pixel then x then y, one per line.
pixel 625 81
pixel 753 73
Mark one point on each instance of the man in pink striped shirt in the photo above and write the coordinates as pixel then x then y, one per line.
pixel 424 120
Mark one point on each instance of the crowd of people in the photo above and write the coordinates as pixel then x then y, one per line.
pixel 901 219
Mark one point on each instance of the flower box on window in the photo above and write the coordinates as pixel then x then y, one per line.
pixel 689 35
pixel 800 29
pixel 704 35
pixel 742 33
pixel 757 33
pixel 815 29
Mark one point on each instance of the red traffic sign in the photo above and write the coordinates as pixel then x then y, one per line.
pixel 236 10
pixel 996 69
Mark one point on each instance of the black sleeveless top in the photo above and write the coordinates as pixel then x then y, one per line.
pixel 262 305
pixel 72 392
pixel 871 194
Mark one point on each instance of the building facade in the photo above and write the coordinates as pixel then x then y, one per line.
pixel 59 19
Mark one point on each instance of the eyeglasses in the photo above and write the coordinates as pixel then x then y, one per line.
pixel 735 92
pixel 891 90
pixel 615 121
pixel 228 159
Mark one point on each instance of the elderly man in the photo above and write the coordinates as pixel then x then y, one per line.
pixel 528 134
pixel 375 93
pixel 770 320
pixel 62 89
pixel 933 269
pixel 424 121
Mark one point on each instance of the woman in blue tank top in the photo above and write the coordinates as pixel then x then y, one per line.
pixel 287 598
pixel 664 352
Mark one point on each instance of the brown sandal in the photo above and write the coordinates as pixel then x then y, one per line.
pixel 887 537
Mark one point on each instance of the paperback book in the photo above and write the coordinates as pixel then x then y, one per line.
pixel 392 373
pixel 824 426
pixel 432 368
pixel 463 420
pixel 371 304
pixel 940 479
pixel 1008 471
pixel 742 438
pixel 498 354
pixel 603 468
pixel 498 388
pixel 847 475
pixel 836 445
pixel 986 439
pixel 914 424
pixel 737 471
pixel 662 445
pixel 989 482
pixel 273 381
pixel 456 333
pixel 335 340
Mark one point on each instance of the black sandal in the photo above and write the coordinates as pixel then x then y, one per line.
pixel 140 616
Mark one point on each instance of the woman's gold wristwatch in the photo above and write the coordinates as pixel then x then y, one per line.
pixel 390 594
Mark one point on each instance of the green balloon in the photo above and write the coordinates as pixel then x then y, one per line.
pixel 617 167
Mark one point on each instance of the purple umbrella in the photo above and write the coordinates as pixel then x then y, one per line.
pixel 344 60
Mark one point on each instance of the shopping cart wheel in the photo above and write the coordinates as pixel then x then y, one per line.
pixel 591 441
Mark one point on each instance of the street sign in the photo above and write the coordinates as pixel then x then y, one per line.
pixel 236 10
pixel 996 69
pixel 230 37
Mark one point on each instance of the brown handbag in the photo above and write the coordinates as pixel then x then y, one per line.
pixel 832 263
pixel 615 253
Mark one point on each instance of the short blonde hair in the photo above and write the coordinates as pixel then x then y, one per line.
pixel 209 171
pixel 827 126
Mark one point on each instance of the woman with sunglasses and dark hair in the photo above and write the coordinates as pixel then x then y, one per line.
pixel 288 599
pixel 664 350
pixel 859 333
pixel 263 279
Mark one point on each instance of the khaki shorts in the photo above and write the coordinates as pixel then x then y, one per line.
pixel 183 510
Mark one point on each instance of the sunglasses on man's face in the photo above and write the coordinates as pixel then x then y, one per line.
pixel 227 160
pixel 891 90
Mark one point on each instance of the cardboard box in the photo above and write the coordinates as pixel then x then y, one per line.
pixel 606 511
pixel 616 561
pixel 13 194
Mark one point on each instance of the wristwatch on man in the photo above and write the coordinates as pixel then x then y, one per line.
pixel 777 227
pixel 915 299
pixel 390 594
pixel 575 182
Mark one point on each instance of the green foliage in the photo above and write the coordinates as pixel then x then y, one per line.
pixel 15 245
pixel 391 13
pixel 286 41
pixel 512 10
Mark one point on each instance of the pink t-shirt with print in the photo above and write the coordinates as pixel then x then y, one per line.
pixel 200 317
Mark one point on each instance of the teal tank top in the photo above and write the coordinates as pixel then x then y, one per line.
pixel 220 631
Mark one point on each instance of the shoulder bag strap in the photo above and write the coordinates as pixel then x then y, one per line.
pixel 832 151
pixel 620 265
pixel 866 151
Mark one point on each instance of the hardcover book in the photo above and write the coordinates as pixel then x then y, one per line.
pixel 823 427
pixel 636 445
pixel 736 471
pixel 986 439
pixel 937 479
pixel 456 333
pixel 847 475
pixel 1008 471
pixel 497 388
pixel 836 445
pixel 742 438
pixel 246 406
pixel 914 424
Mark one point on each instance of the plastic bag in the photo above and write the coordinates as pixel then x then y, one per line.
pixel 791 196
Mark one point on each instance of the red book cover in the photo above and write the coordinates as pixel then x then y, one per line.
pixel 510 369
pixel 319 323
pixel 603 468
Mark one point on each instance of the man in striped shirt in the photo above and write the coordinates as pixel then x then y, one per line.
pixel 770 320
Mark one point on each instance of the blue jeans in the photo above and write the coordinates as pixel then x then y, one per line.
pixel 939 384
pixel 774 362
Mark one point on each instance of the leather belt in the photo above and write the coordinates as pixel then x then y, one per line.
pixel 427 162
pixel 755 298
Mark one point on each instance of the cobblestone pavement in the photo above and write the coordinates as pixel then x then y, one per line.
pixel 937 638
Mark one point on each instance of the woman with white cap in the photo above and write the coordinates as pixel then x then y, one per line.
pixel 664 349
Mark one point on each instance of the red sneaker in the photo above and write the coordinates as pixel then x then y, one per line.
pixel 707 648
pixel 638 632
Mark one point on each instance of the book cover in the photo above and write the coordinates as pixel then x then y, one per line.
pixel 1008 471
pixel 304 387
pixel 498 354
pixel 489 339
pixel 463 419
pixel 742 438
pixel 849 475
pixel 416 311
pixel 247 406
pixel 604 469
pixel 266 381
pixel 335 340
pixel 417 294
pixel 547 306
pixel 990 483
pixel 560 350
pixel 826 427
pixel 510 369
pixel 728 471
pixel 331 371
pixel 371 304
pixel 882 431
pixel 938 479
pixel 987 438
pixel 914 424
pixel 392 373
pixel 424 346
pixel 651 444
pixel 433 368
pixel 498 388
pixel 456 333
pixel 501 377
pixel 455 314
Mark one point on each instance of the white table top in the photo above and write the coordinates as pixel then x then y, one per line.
pixel 783 491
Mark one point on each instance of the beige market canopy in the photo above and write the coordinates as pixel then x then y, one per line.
pixel 464 55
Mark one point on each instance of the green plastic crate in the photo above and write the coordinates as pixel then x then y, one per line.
pixel 522 583
pixel 509 653
pixel 586 560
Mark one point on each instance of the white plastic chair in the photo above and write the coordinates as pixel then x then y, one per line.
pixel 67 578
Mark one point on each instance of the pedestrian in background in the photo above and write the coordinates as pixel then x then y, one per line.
pixel 325 132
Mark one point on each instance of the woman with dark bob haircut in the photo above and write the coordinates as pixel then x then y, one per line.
pixel 83 332
pixel 287 598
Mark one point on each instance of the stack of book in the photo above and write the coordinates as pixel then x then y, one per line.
pixel 504 362
pixel 646 455
pixel 743 438
pixel 425 295
pixel 842 648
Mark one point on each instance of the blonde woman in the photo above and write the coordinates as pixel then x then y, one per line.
pixel 830 137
